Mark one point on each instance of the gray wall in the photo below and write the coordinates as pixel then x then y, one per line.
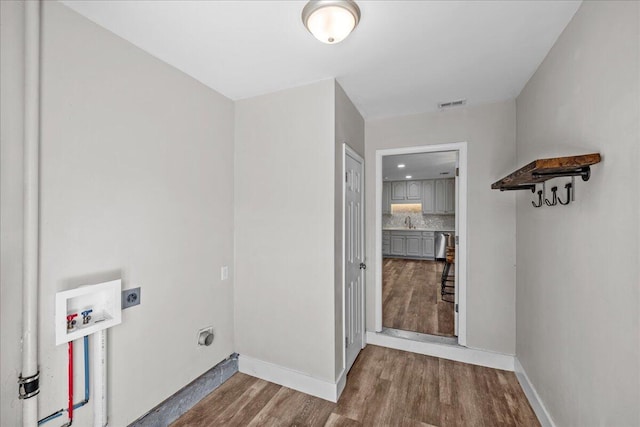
pixel 137 182
pixel 350 129
pixel 577 295
pixel 490 133
pixel 11 193
pixel 349 123
pixel 284 211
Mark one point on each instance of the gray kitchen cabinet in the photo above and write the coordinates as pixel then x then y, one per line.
pixel 408 244
pixel 450 198
pixel 398 245
pixel 428 244
pixel 440 196
pixel 414 190
pixel 398 191
pixel 386 198
pixel 445 196
pixel 406 191
pixel 436 195
pixel 413 245
pixel 386 243
pixel 428 196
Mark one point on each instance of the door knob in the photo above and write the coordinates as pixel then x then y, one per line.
pixel 363 266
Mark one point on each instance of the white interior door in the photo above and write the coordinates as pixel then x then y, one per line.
pixel 354 257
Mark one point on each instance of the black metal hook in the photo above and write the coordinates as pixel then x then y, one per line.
pixel 568 187
pixel 539 200
pixel 554 201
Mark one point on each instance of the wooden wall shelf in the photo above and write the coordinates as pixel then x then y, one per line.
pixel 541 170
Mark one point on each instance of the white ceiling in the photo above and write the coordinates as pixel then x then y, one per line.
pixel 419 166
pixel 403 58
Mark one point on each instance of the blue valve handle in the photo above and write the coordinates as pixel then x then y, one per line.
pixel 86 317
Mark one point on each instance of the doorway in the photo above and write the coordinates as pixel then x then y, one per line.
pixel 421 233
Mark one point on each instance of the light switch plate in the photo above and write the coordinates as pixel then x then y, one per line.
pixel 224 272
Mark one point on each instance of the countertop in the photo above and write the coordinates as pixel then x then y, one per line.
pixel 415 229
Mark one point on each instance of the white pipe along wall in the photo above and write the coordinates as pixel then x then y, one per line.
pixel 31 208
pixel 100 378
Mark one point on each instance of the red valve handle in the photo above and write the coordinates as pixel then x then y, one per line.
pixel 70 317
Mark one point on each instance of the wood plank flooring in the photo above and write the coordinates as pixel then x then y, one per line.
pixel 385 387
pixel 411 297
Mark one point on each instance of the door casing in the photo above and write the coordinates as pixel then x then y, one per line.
pixel 461 232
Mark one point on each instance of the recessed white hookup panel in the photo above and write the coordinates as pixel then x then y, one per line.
pixel 87 309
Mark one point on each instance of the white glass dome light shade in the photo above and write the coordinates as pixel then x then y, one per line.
pixel 331 21
pixel 331 24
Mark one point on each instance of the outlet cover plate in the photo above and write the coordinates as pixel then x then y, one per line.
pixel 130 297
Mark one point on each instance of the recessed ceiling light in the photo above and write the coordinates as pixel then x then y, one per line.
pixel 408 176
pixel 401 165
pixel 331 21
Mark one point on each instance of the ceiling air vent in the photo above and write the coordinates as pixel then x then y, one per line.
pixel 452 104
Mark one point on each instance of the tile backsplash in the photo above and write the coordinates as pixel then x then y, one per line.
pixel 399 213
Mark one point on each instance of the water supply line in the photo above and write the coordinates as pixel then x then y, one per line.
pixel 86 375
pixel 86 388
pixel 29 388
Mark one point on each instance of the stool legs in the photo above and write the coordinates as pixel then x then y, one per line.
pixel 446 278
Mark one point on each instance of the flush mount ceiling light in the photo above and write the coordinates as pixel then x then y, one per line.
pixel 401 166
pixel 331 21
pixel 408 176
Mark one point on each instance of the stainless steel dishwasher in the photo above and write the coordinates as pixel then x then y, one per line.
pixel 441 239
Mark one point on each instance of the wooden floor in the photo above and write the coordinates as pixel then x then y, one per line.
pixel 411 297
pixel 385 387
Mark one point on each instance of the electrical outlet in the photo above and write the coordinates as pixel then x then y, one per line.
pixel 130 297
pixel 224 273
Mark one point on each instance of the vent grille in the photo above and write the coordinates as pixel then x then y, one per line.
pixel 451 104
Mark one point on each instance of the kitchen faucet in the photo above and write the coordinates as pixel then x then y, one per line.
pixel 407 222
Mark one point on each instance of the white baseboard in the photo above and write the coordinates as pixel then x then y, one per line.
pixel 342 383
pixel 293 379
pixel 532 395
pixel 445 351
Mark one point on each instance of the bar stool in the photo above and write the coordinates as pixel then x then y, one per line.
pixel 447 282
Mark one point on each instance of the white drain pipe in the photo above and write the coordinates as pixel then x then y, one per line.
pixel 31 207
pixel 100 378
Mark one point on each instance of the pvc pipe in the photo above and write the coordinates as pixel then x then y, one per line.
pixel 31 205
pixel 70 405
pixel 100 378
